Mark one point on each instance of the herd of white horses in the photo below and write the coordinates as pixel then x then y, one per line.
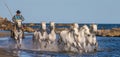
pixel 81 39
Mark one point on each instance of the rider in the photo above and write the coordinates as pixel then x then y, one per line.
pixel 16 17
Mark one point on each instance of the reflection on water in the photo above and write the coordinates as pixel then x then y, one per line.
pixel 108 47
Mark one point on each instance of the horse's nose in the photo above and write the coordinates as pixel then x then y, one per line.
pixel 88 35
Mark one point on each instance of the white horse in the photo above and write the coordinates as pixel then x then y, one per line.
pixel 68 37
pixel 52 34
pixel 81 39
pixel 75 28
pixel 43 35
pixel 35 35
pixel 79 34
pixel 18 32
pixel 91 42
pixel 93 30
pixel 36 41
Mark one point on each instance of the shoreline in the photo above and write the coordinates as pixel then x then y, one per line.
pixel 4 34
pixel 101 33
pixel 114 32
pixel 7 34
pixel 5 53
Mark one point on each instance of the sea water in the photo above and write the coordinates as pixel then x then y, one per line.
pixel 107 46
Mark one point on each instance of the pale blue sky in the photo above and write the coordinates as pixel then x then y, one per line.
pixel 64 11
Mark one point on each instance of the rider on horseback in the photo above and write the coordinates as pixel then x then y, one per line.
pixel 16 18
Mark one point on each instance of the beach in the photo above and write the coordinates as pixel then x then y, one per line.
pixel 4 52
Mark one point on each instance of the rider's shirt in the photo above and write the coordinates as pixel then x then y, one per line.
pixel 18 17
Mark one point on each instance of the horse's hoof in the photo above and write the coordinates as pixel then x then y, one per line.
pixel 45 46
pixel 95 49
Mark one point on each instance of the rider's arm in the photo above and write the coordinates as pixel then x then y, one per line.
pixel 22 18
pixel 13 18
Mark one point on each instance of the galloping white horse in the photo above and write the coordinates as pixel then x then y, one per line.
pixel 18 32
pixel 92 39
pixel 52 34
pixel 81 39
pixel 91 42
pixel 43 35
pixel 68 37
pixel 93 30
pixel 35 35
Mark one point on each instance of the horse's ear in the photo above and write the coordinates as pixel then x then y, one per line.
pixel 81 28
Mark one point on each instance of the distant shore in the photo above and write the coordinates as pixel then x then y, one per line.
pixel 4 34
pixel 7 34
pixel 114 32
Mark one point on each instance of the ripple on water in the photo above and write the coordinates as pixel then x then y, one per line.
pixel 108 47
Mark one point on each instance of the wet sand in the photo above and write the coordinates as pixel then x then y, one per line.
pixel 4 53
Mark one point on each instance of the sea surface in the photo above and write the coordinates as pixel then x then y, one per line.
pixel 100 26
pixel 107 46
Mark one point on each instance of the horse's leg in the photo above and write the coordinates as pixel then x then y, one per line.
pixel 15 35
pixel 49 42
pixel 69 46
pixel 17 41
pixel 85 46
pixel 11 34
pixel 80 46
pixel 96 46
pixel 20 42
pixel 23 36
pixel 59 41
pixel 20 37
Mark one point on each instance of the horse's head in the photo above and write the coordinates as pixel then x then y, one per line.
pixel 19 23
pixel 52 25
pixel 75 25
pixel 75 28
pixel 43 25
pixel 86 30
pixel 93 28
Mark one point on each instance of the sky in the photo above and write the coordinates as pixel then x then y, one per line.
pixel 64 11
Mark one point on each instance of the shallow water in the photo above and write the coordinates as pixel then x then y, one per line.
pixel 108 47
